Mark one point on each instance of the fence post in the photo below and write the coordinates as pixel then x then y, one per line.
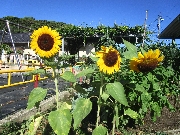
pixel 9 79
pixel 36 81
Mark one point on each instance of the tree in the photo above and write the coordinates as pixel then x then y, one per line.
pixel 6 48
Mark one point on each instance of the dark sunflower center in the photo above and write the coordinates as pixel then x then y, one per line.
pixel 45 42
pixel 147 65
pixel 110 58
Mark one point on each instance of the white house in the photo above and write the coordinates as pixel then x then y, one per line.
pixel 87 50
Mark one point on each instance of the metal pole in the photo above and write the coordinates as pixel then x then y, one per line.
pixel 145 27
pixel 3 33
pixel 2 40
pixel 17 59
pixel 62 46
pixel 160 19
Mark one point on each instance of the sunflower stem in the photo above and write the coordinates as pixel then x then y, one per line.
pixel 56 88
pixel 113 128
pixel 99 100
pixel 114 118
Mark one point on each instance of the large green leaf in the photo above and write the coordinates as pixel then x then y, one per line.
pixel 94 58
pixel 128 55
pixel 142 50
pixel 132 49
pixel 60 121
pixel 131 113
pixel 130 46
pixel 156 110
pixel 38 71
pixel 80 89
pixel 100 130
pixel 105 96
pixel 68 76
pixel 81 110
pixel 140 88
pixel 150 77
pixel 35 72
pixel 116 90
pixel 33 126
pixel 36 95
pixel 85 72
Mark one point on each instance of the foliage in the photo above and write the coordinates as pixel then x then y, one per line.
pixel 69 30
pixel 27 23
pixel 127 95
pixel 109 103
pixel 6 48
pixel 171 52
pixel 77 36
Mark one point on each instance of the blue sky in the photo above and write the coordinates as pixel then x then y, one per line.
pixel 94 12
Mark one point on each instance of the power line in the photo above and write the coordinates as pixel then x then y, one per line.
pixel 17 24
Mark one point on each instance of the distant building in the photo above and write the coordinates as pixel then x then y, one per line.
pixel 172 31
pixel 21 42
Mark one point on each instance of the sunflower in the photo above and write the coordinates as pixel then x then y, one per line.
pixel 109 60
pixel 45 42
pixel 146 62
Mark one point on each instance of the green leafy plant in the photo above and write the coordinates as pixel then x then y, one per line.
pixel 106 103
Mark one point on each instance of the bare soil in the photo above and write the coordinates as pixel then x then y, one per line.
pixel 168 122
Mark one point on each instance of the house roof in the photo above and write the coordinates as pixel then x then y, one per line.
pixel 17 38
pixel 172 31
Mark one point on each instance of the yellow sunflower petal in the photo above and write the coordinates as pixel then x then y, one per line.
pixel 161 58
pixel 133 64
pixel 146 62
pixel 45 42
pixel 156 53
pixel 140 56
pixel 109 60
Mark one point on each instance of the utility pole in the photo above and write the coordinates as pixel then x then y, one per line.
pixel 160 19
pixel 144 35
